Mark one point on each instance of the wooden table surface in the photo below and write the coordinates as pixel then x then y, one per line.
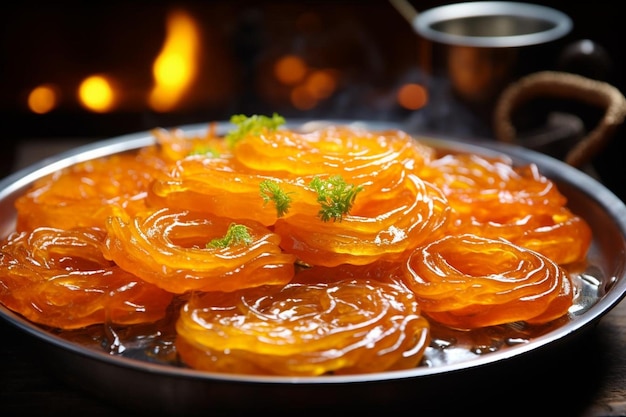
pixel 585 377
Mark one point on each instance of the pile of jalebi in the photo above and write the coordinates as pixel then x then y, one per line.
pixel 294 253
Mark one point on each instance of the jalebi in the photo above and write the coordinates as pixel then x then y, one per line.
pixel 350 151
pixel 59 278
pixel 492 188
pixel 467 281
pixel 168 248
pixel 424 236
pixel 492 198
pixel 215 186
pixel 383 227
pixel 84 194
pixel 311 326
pixel 563 237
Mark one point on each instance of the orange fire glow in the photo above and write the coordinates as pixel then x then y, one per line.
pixel 412 96
pixel 307 85
pixel 43 98
pixel 290 69
pixel 318 85
pixel 322 83
pixel 175 68
pixel 96 93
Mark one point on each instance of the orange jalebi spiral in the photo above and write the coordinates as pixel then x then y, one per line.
pixel 563 237
pixel 492 198
pixel 59 278
pixel 168 248
pixel 467 281
pixel 350 151
pixel 229 185
pixel 378 228
pixel 311 326
pixel 176 144
pixel 492 188
pixel 218 187
pixel 84 194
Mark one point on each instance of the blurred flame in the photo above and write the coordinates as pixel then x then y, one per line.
pixel 302 99
pixel 318 85
pixel 321 83
pixel 307 86
pixel 175 67
pixel 412 96
pixel 43 98
pixel 96 94
pixel 290 69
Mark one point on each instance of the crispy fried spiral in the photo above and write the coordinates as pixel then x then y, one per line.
pixel 467 281
pixel 168 248
pixel 84 194
pixel 492 188
pixel 216 186
pixel 350 151
pixel 311 326
pixel 563 237
pixel 490 197
pixel 384 226
pixel 59 278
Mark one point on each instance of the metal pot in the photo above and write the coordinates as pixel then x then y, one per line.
pixel 482 41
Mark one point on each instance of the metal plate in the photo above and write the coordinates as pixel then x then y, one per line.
pixel 140 384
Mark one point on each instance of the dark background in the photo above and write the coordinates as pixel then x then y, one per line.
pixel 372 45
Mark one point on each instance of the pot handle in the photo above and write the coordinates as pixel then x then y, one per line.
pixel 568 86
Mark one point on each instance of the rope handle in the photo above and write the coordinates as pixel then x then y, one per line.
pixel 568 86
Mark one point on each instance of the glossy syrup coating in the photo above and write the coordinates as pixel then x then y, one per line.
pixel 60 279
pixel 311 326
pixel 491 188
pixel 395 212
pixel 168 248
pixel 383 227
pixel 491 197
pixel 347 150
pixel 562 236
pixel 84 194
pixel 467 281
pixel 220 187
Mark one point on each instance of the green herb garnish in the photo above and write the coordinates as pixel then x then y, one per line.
pixel 335 196
pixel 235 235
pixel 204 150
pixel 254 125
pixel 271 191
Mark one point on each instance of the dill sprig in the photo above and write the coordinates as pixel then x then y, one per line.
pixel 335 196
pixel 235 235
pixel 252 125
pixel 271 191
pixel 204 150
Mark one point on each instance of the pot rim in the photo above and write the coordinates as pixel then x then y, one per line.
pixel 425 23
